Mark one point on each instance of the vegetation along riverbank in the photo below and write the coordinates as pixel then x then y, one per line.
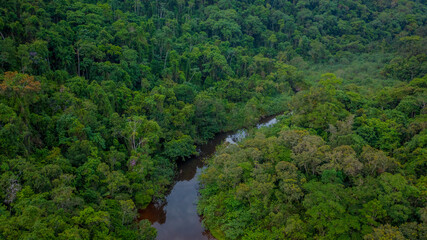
pixel 100 99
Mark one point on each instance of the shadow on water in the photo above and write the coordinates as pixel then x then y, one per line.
pixel 176 217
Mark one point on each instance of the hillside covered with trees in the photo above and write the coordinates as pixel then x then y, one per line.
pixel 337 166
pixel 99 99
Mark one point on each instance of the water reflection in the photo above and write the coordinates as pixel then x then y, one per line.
pixel 268 123
pixel 154 213
pixel 237 137
pixel 176 217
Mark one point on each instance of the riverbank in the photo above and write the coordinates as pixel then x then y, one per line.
pixel 176 216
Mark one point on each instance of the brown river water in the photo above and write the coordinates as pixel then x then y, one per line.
pixel 175 217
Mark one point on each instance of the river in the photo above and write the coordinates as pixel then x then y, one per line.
pixel 176 218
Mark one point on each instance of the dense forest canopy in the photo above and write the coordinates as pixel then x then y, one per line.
pixel 326 171
pixel 100 99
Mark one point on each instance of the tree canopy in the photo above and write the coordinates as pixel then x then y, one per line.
pixel 99 100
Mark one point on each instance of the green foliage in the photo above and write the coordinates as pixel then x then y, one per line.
pixel 357 180
pixel 182 147
pixel 99 99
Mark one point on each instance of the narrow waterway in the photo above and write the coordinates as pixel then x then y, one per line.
pixel 176 218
